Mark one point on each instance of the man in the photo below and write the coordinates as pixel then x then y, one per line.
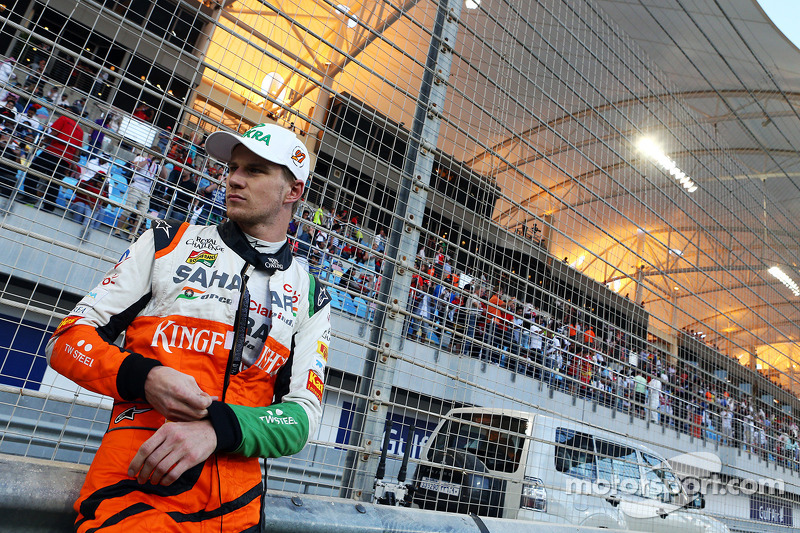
pixel 494 317
pixel 64 142
pixel 474 310
pixel 654 398
pixel 639 393
pixel 226 338
pixel 29 123
pixel 146 171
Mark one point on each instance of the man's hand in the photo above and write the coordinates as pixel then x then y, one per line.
pixel 176 395
pixel 172 450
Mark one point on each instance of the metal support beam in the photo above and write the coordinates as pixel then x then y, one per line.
pixel 387 334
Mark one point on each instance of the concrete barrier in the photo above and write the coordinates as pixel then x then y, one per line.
pixel 37 495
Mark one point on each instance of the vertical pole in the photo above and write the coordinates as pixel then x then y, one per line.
pixel 547 230
pixel 674 323
pixel 386 336
pixel 639 297
pixel 202 45
pixel 640 239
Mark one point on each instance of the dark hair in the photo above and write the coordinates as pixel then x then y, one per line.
pixel 290 177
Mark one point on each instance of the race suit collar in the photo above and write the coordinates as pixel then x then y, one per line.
pixel 234 237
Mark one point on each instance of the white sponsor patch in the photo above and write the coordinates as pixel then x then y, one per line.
pixel 93 296
pixel 277 418
pixel 228 340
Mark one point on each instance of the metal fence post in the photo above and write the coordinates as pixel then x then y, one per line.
pixel 386 338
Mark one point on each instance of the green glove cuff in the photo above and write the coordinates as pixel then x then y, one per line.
pixel 274 431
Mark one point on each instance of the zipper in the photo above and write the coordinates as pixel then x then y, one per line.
pixel 239 331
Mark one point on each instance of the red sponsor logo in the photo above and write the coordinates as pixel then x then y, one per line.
pixel 65 324
pixel 203 257
pixel 315 384
pixel 322 349
pixel 270 360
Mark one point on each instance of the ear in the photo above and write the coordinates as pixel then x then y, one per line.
pixel 295 192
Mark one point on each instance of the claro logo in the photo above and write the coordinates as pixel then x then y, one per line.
pixel 169 335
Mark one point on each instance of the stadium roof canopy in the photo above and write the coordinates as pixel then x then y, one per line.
pixel 552 100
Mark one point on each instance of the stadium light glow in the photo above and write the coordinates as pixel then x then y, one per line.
pixel 649 148
pixel 785 279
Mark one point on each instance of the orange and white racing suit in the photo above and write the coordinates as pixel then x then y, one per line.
pixel 251 328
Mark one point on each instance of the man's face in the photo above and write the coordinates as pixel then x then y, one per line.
pixel 257 188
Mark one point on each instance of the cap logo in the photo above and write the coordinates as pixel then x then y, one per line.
pixel 258 135
pixel 299 156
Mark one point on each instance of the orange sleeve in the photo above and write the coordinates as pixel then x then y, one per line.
pixel 82 347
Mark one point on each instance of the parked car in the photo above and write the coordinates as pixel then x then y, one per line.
pixel 514 464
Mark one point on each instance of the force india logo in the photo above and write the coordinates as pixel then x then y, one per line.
pixel 315 385
pixel 203 257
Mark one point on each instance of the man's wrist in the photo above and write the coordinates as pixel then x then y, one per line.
pixel 226 426
pixel 132 376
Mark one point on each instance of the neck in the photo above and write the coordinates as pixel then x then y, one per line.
pixel 264 233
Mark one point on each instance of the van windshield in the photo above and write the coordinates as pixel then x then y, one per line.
pixel 661 482
pixel 580 455
pixel 497 440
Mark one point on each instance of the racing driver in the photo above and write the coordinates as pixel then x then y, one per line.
pixel 225 345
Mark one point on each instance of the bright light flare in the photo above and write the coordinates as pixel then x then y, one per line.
pixel 649 148
pixel 785 279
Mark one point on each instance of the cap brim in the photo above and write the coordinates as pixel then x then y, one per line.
pixel 220 145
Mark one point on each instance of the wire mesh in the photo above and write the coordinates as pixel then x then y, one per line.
pixel 514 205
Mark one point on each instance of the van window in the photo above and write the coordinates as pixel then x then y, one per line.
pixel 660 481
pixel 497 440
pixel 618 465
pixel 574 454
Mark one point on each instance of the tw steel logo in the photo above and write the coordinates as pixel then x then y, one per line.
pixel 169 335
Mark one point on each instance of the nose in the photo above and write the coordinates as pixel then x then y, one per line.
pixel 236 179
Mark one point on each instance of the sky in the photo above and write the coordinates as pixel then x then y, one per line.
pixel 785 14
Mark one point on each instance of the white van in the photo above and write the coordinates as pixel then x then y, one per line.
pixel 514 464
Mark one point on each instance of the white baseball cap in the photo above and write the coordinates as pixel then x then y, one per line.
pixel 270 141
